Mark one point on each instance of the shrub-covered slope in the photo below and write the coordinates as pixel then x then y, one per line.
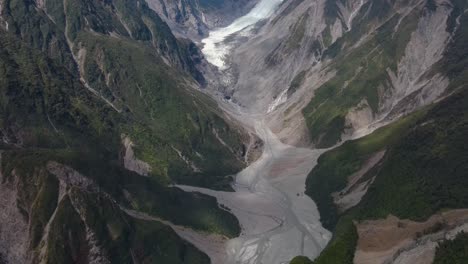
pixel 124 54
pixel 393 60
pixel 422 172
pixel 98 113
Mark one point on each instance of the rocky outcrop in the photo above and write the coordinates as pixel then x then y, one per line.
pixel 193 18
pixel 412 78
pixel 358 117
pixel 357 184
pixel 130 162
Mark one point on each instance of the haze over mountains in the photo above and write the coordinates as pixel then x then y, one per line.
pixel 233 131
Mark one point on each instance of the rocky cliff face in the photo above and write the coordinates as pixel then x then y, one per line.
pixel 53 214
pixel 194 18
pixel 318 61
pixel 99 117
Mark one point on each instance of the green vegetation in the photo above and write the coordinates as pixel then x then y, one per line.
pixel 47 114
pixel 452 251
pixel 194 210
pixel 296 83
pixel 334 167
pixel 301 260
pixel 43 207
pixel 159 112
pixel 361 73
pixel 426 170
pixel 120 238
pixel 455 61
pixel 67 236
pixel 422 172
pixel 117 232
pixel 340 250
pixel 297 32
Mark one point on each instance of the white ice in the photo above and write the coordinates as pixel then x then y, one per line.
pixel 215 49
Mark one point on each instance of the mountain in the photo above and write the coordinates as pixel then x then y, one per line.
pixel 382 83
pixel 404 183
pixel 99 116
pixel 233 131
pixel 194 18
pixel 317 50
pixel 339 70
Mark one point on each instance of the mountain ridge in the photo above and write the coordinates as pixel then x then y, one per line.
pixel 112 115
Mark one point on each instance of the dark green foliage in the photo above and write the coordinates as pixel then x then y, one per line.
pixel 159 112
pixel 301 260
pixel 194 210
pixel 37 30
pixel 426 170
pixel 334 167
pixel 422 172
pixel 67 236
pixel 88 139
pixel 362 72
pixel 47 114
pixel 126 238
pixel 341 248
pixel 188 209
pixel 453 251
pixel 119 237
pixel 43 207
pixel 455 61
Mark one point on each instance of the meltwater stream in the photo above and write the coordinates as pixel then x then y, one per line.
pixel 278 220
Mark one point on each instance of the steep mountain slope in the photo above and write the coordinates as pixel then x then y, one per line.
pixel 323 72
pixel 98 116
pixel 104 130
pixel 412 169
pixel 421 174
pixel 140 83
pixel 194 18
pixel 351 63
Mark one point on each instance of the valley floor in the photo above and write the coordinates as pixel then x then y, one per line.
pixel 278 220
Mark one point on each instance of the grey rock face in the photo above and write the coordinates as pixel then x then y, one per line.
pixel 263 69
pixel 193 18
